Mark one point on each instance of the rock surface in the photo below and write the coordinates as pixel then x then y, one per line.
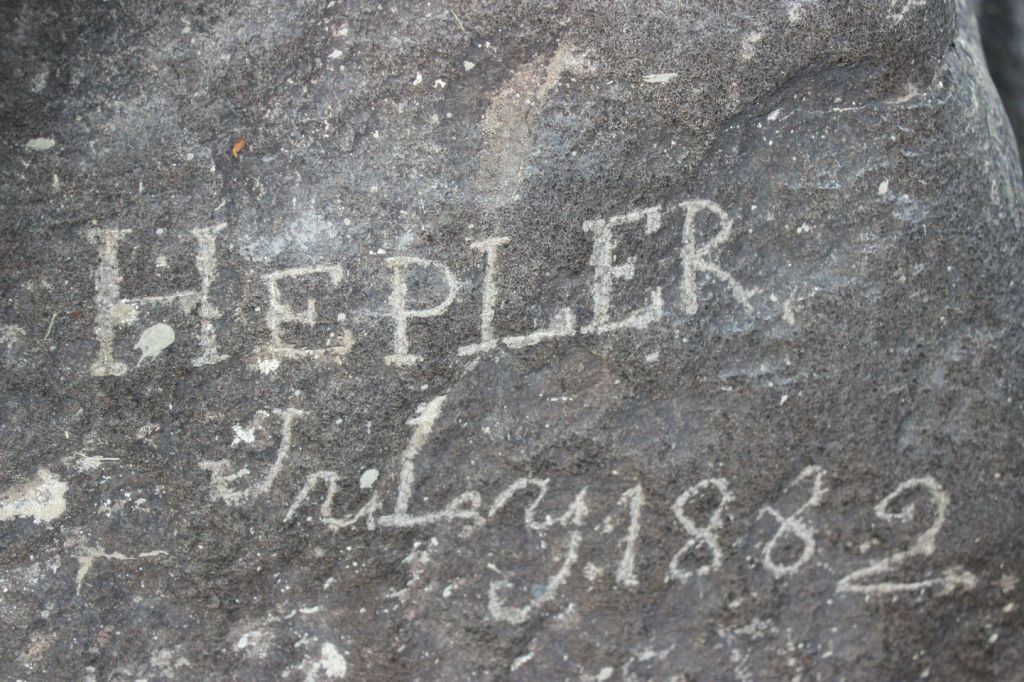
pixel 517 340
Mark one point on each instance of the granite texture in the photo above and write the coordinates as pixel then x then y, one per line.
pixel 508 340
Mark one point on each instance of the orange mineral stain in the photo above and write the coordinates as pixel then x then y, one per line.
pixel 238 146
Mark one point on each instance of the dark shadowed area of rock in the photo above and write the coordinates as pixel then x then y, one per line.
pixel 1001 24
pixel 508 340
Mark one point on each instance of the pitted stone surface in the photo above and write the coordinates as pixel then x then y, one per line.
pixel 540 340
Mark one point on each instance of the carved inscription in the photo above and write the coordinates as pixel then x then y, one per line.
pixel 700 536
pixel 279 313
pixel 701 553
pixel 702 514
pixel 612 271
pixel 113 311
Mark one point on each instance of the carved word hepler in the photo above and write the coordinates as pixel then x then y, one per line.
pixel 611 269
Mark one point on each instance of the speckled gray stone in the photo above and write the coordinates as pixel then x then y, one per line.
pixel 519 340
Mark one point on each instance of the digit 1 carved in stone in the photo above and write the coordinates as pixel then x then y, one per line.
pixel 625 574
pixel 706 535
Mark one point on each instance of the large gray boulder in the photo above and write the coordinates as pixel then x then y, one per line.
pixel 517 340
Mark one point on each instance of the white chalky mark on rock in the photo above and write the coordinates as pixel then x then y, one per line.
pixel 794 525
pixel 145 431
pixel 698 259
pixel 330 480
pixel 464 506
pixel 706 535
pixel 883 188
pixel 11 334
pixel 924 545
pixel 787 309
pixel 368 478
pixel 258 641
pixel 39 81
pixel 468 65
pixel 1008 582
pixel 898 8
pixel 633 500
pixel 154 340
pixel 401 314
pixel 331 662
pixel 516 615
pixel 279 313
pixel 490 295
pixel 248 435
pixel 336 54
pixel 605 272
pixel 656 78
pixel 268 365
pixel 796 10
pixel 428 413
pixel 220 478
pixel 521 661
pixel 506 495
pixel 562 324
pixel 747 46
pixel 91 554
pixel 602 675
pixel 40 499
pixel 774 115
pixel 41 144
pixel 112 311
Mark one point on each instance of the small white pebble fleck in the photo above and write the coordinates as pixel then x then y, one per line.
pixel 660 77
pixel 368 478
pixel 41 144
pixel 332 662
